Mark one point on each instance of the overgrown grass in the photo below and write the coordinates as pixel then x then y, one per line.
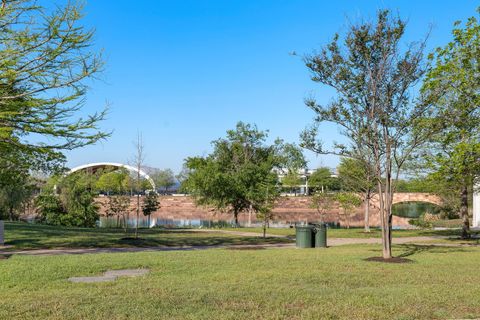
pixel 355 232
pixel 36 236
pixel 334 283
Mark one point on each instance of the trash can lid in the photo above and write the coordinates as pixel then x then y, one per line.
pixel 305 227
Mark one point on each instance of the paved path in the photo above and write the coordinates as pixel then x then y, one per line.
pixel 332 242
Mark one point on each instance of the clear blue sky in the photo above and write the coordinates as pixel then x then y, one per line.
pixel 183 72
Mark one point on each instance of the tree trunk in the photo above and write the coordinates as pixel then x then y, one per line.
pixel 138 215
pixel 464 213
pixel 235 215
pixel 250 216
pixel 265 226
pixel 10 211
pixel 148 221
pixel 367 213
pixel 386 198
pixel 386 226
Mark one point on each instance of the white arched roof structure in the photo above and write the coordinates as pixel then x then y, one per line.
pixel 101 165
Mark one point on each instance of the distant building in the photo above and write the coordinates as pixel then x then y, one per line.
pixel 304 175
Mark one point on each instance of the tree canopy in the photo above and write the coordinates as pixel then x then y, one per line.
pixel 453 83
pixel 46 61
pixel 239 174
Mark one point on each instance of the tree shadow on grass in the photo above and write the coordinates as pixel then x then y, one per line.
pixel 410 250
pixel 29 236
pixel 413 249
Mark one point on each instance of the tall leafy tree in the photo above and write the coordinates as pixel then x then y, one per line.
pixel 373 76
pixel 358 176
pixel 453 83
pixel 236 175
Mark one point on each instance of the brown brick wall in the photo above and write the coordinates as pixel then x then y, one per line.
pixel 287 210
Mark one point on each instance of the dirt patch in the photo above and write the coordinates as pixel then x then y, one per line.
pixel 5 256
pixel 391 260
pixel 246 248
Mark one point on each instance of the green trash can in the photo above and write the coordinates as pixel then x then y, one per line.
pixel 305 236
pixel 321 235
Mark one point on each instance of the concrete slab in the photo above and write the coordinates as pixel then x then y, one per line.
pixel 126 273
pixel 110 275
pixel 92 279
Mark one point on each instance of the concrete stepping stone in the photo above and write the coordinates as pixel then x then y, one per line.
pixel 110 275
pixel 92 279
pixel 126 273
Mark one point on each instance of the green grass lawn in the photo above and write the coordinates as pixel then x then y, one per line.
pixel 36 236
pixel 334 283
pixel 354 232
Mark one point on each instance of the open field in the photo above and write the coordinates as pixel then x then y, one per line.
pixel 335 283
pixel 35 236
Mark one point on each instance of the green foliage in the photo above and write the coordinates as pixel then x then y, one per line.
pixel 163 178
pixel 74 205
pixel 150 203
pixel 419 184
pixel 291 180
pixel 182 176
pixel 372 75
pixel 322 178
pixel 322 202
pixel 453 84
pixel 118 181
pixel 17 188
pixel 46 61
pixel 356 175
pixel 239 174
pixel 348 201
pixel 425 221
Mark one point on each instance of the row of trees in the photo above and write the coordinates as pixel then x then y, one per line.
pixel 240 175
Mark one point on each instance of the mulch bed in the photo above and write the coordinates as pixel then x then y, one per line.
pixel 391 260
